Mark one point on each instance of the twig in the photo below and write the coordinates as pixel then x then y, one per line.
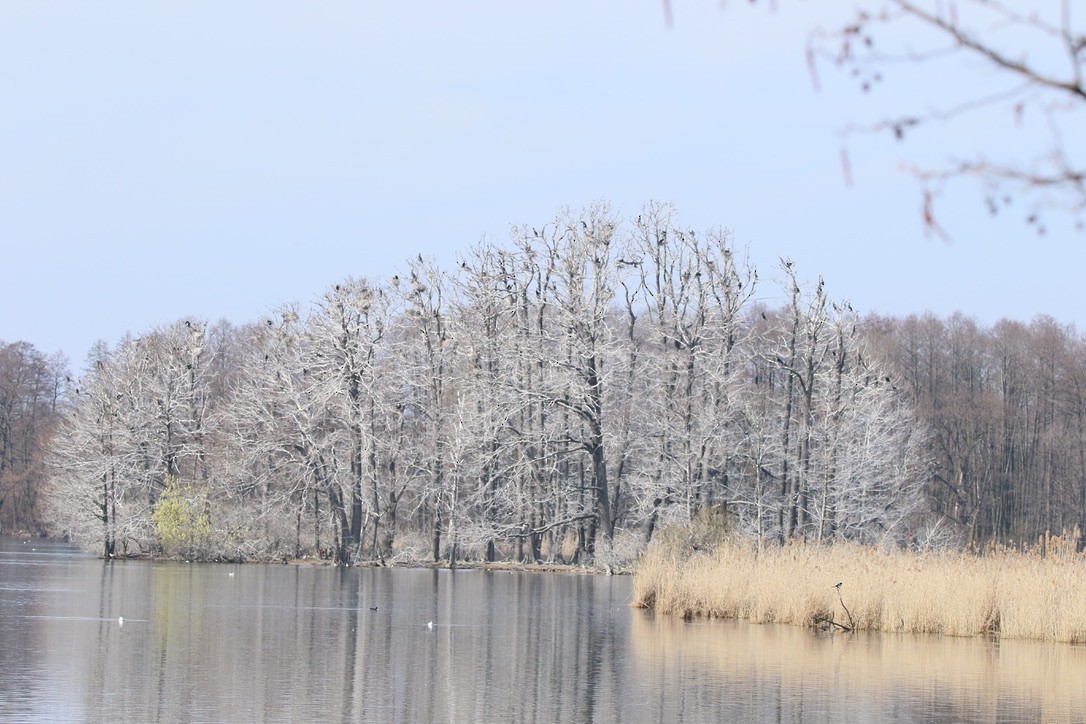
pixel 851 623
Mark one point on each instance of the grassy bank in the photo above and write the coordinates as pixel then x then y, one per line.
pixel 1006 593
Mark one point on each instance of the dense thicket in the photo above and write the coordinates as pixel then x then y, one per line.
pixel 592 378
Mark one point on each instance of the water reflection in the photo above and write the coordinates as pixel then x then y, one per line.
pixel 295 643
pixel 794 674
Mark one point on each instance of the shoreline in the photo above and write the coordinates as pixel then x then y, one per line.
pixel 540 567
pixel 567 568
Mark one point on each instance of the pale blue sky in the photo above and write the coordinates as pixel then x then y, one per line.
pixel 162 160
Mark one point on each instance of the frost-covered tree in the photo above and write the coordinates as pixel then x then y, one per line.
pixel 348 332
pixel 138 417
pixel 833 449
pixel 695 289
pixel 593 378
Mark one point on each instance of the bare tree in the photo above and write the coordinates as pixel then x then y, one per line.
pixel 695 291
pixel 293 447
pixel 348 336
pixel 585 280
pixel 489 408
pixel 801 352
pixel 826 447
pixel 86 460
pixel 1024 65
pixel 540 465
pixel 426 352
pixel 869 452
pixel 31 389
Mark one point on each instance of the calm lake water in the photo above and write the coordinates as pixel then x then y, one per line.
pixel 220 643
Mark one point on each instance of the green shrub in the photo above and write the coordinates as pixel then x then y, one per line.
pixel 182 525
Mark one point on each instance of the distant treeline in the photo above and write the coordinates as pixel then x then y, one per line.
pixel 559 397
pixel 31 389
pixel 1006 408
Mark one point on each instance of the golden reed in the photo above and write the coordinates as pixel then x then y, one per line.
pixel 1037 594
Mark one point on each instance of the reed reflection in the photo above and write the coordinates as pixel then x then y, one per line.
pixel 789 671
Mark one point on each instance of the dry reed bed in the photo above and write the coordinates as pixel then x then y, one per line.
pixel 1012 594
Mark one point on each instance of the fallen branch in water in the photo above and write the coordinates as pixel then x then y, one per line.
pixel 824 623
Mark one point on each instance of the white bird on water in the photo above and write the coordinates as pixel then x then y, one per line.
pixel 120 620
pixel 430 625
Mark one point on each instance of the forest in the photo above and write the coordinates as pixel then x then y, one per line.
pixel 560 397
